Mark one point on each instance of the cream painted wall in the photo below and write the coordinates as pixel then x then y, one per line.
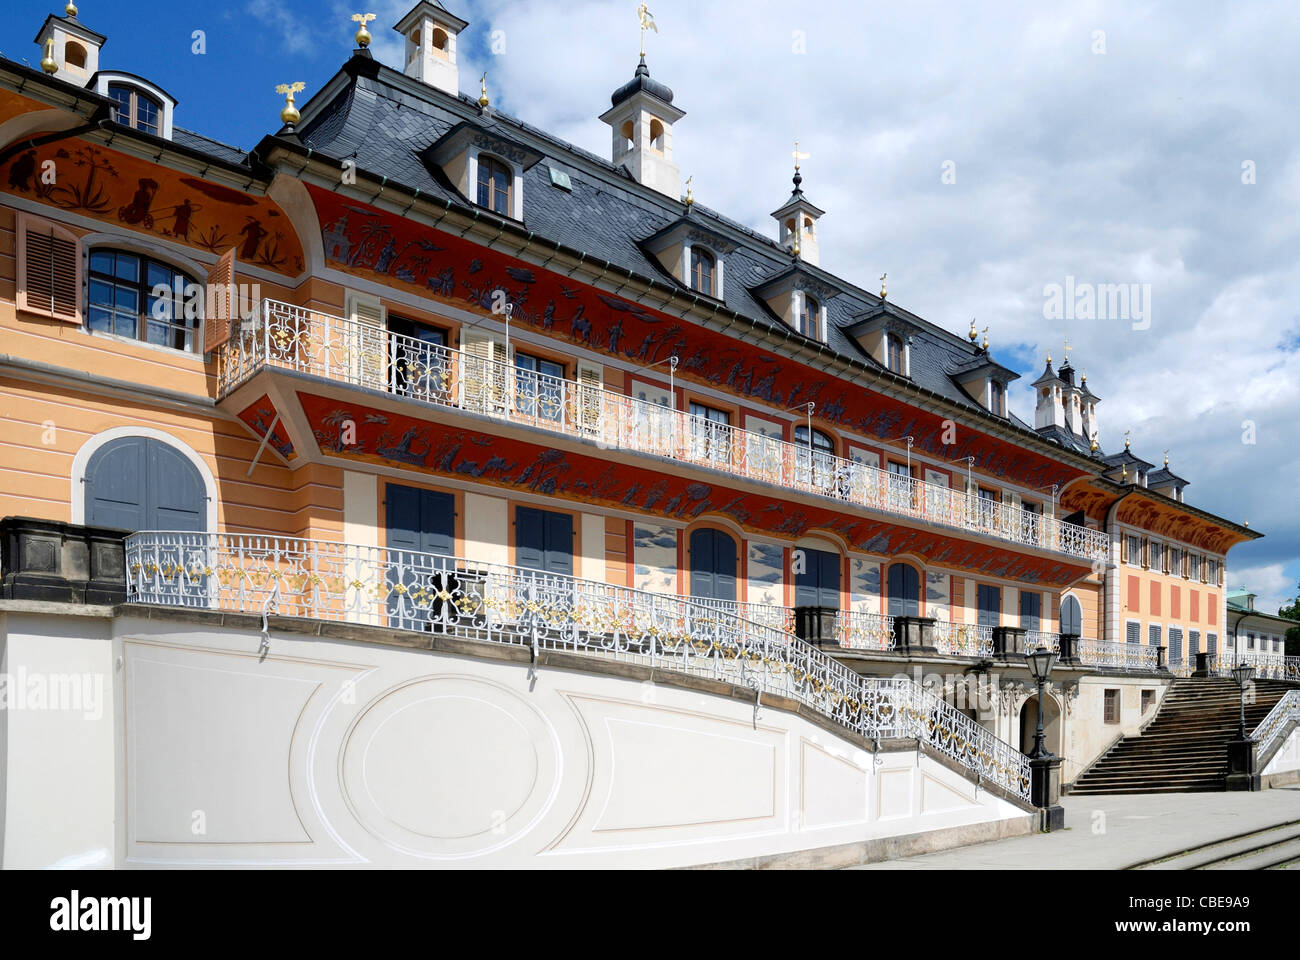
pixel 360 508
pixel 1286 759
pixel 487 531
pixel 1086 732
pixel 591 565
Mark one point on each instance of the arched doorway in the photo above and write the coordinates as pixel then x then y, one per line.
pixel 713 563
pixel 1051 725
pixel 904 588
pixel 140 483
pixel 1071 617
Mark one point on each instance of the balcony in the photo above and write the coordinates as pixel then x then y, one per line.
pixel 494 603
pixel 335 349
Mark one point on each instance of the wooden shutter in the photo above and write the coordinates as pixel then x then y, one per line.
pixel 1123 548
pixel 49 270
pixel 482 372
pixel 366 341
pixel 590 401
pixel 219 311
pixel 1146 552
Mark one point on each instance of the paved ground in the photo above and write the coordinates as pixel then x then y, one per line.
pixel 1110 832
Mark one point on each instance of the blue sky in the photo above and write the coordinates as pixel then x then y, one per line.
pixel 1099 140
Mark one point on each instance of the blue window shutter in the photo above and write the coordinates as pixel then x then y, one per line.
pixel 403 517
pixel 1031 606
pixel 990 605
pixel 703 581
pixel 530 539
pixel 1071 616
pixel 559 544
pixel 437 523
pixel 829 580
pixel 175 497
pixel 904 591
pixel 139 483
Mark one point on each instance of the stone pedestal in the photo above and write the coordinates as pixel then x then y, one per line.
pixel 816 625
pixel 1045 791
pixel 1160 660
pixel 1069 649
pixel 915 634
pixel 1243 765
pixel 1008 641
pixel 60 562
pixel 1202 665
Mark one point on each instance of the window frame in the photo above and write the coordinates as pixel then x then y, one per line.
pixel 25 223
pixel 193 344
pixel 491 161
pixel 136 96
pixel 699 253
pixel 1111 697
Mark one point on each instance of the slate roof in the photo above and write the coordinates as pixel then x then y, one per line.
pixel 386 121
pixel 214 148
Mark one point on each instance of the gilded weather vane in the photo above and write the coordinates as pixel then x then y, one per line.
pixel 289 115
pixel 363 35
pixel 799 156
pixel 647 20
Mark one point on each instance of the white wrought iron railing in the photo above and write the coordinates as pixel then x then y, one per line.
pixel 1137 657
pixel 478 381
pixel 963 639
pixel 858 630
pixel 1267 666
pixel 1273 727
pixel 496 603
pixel 768 614
pixel 1041 640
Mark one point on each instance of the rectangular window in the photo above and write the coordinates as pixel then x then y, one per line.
pixel 1157 556
pixel 539 387
pixel 1175 562
pixel 1134 550
pixel 1133 632
pixel 1148 700
pixel 710 434
pixel 1193 643
pixel 1153 635
pixel 1031 609
pixel 1112 706
pixel 122 300
pixel 1195 562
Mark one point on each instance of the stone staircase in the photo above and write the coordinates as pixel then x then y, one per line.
pixel 1185 748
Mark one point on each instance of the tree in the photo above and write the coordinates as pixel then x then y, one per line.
pixel 1292 612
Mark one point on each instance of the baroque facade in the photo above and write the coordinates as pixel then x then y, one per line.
pixel 409 326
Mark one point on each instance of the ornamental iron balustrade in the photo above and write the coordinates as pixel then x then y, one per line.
pixel 477 381
pixel 1134 657
pixel 767 614
pixel 963 639
pixel 1038 640
pixel 423 592
pixel 858 630
pixel 1278 722
pixel 1267 666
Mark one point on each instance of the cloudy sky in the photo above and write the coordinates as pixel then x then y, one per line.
pixel 978 153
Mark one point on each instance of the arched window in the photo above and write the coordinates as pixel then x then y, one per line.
pixel 139 483
pixel 894 352
pixel 904 590
pixel 628 131
pixel 713 565
pixel 135 296
pixel 998 398
pixel 703 269
pixel 494 185
pixel 1071 617
pixel 135 108
pixel 656 135
pixel 440 40
pixel 821 442
pixel 74 55
pixel 810 316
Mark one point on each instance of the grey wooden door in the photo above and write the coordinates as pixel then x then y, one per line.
pixel 139 483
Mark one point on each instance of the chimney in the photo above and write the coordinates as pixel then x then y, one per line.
pixel 431 32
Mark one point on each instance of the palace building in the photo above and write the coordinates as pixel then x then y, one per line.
pixel 415 367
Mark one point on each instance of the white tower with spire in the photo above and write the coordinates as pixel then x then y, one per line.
pixel 431 31
pixel 797 218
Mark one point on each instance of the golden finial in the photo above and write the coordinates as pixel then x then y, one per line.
pixel 483 100
pixel 974 334
pixel 1166 459
pixel 1124 474
pixel 1127 441
pixel 795 249
pixel 647 20
pixel 883 290
pixel 1049 358
pixel 986 339
pixel 690 198
pixel 1246 524
pixel 363 35
pixel 1094 446
pixel 1083 378
pixel 290 115
pixel 71 10
pixel 47 62
pixel 799 156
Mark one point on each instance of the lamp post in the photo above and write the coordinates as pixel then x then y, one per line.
pixel 1243 675
pixel 1040 664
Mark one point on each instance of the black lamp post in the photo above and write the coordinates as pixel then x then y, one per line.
pixel 1243 675
pixel 1040 664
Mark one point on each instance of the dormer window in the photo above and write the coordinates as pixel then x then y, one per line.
pixel 810 316
pixel 703 270
pixel 894 358
pixel 998 398
pixel 135 108
pixel 494 182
